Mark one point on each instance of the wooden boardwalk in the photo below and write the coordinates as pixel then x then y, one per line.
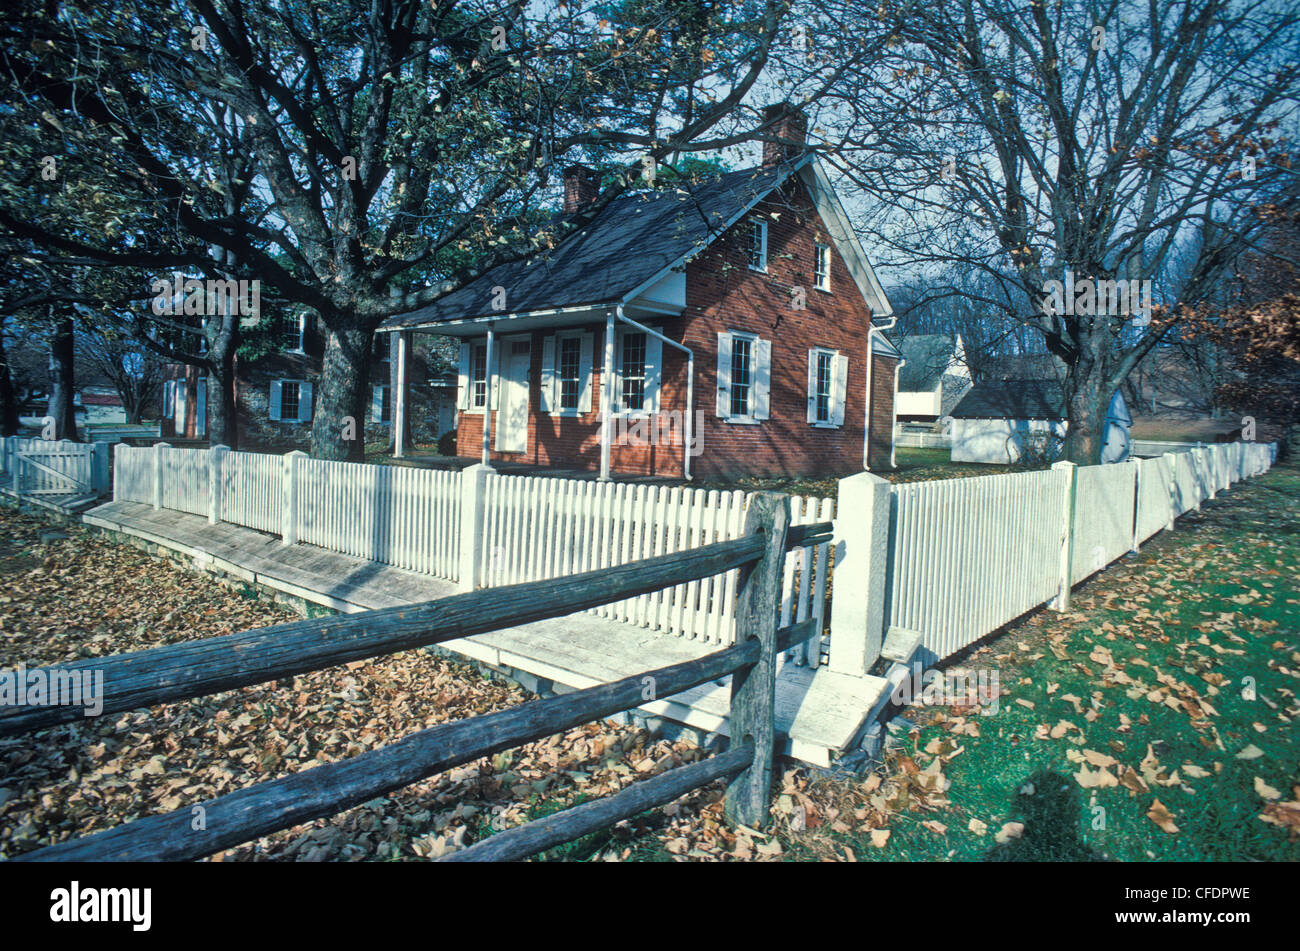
pixel 820 714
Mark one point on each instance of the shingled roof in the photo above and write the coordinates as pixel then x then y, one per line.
pixel 1012 399
pixel 629 242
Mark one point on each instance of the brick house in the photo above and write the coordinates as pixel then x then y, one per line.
pixel 733 316
pixel 275 393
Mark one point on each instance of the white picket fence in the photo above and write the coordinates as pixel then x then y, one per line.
pixel 537 527
pixel 48 467
pixel 951 560
pixel 409 518
pixel 966 556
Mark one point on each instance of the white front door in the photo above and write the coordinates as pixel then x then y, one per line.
pixel 512 411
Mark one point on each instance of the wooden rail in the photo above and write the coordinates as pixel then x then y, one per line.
pixel 201 667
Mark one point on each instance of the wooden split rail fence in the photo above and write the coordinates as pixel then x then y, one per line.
pixel 203 667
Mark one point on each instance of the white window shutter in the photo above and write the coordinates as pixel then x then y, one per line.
pixel 760 408
pixel 585 356
pixel 275 400
pixel 462 378
pixel 377 403
pixel 304 402
pixel 169 399
pixel 550 404
pixel 181 385
pixel 654 364
pixel 812 386
pixel 839 389
pixel 724 374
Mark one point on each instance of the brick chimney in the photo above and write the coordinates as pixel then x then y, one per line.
pixel 788 124
pixel 581 187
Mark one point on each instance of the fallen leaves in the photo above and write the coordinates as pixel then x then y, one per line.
pixel 1162 817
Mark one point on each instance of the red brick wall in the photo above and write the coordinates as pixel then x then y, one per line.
pixel 723 294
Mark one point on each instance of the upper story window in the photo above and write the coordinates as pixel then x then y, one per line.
pixel 822 267
pixel 570 373
pixel 756 246
pixel 291 331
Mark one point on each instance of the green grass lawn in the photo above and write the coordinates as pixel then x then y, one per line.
pixel 1171 680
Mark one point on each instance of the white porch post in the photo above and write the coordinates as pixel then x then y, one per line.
pixel 399 398
pixel 607 395
pixel 487 402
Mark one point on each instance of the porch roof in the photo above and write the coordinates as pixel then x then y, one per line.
pixel 625 248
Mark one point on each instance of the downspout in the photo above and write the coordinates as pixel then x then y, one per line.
pixel 689 422
pixel 893 423
pixel 871 360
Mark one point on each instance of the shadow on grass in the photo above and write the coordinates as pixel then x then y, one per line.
pixel 1049 805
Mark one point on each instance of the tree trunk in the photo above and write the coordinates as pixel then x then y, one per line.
pixel 339 416
pixel 223 421
pixel 1087 404
pixel 8 398
pixel 62 382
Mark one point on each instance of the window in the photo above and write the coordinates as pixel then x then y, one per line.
pixel 289 394
pixel 756 248
pixel 828 378
pixel 822 267
pixel 169 399
pixel 632 373
pixel 478 377
pixel 384 402
pixel 740 376
pixel 291 326
pixel 744 377
pixel 822 385
pixel 570 373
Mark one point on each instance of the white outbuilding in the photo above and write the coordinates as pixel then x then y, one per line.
pixel 1001 421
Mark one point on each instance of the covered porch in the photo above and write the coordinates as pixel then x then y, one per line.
pixel 581 392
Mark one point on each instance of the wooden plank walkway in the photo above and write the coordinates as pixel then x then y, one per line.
pixel 818 714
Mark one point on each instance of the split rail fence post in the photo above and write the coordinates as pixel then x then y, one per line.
pixel 1062 600
pixel 473 488
pixel 861 547
pixel 290 497
pixel 158 449
pixel 753 689
pixel 216 460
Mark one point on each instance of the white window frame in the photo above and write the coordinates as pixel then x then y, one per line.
pixel 760 227
pixel 474 406
pixel 652 370
pixel 814 386
pixel 302 324
pixel 169 399
pixel 583 380
pixel 760 351
pixel 822 266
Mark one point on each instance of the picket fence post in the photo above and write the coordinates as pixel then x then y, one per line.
pixel 216 457
pixel 289 495
pixel 1172 458
pixel 861 546
pixel 158 449
pixel 1062 600
pixel 473 489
